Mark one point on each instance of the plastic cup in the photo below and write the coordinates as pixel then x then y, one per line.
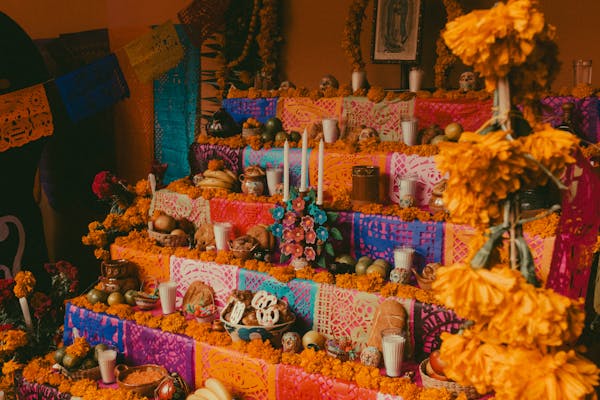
pixel 393 341
pixel 407 186
pixel 107 361
pixel 415 79
pixel 403 257
pixel 222 232
pixel 168 294
pixel 331 132
pixel 410 131
pixel 274 178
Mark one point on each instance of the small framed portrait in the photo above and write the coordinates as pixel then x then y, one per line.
pixel 396 31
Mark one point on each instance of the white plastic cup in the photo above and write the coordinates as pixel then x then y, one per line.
pixel 407 186
pixel 403 257
pixel 168 294
pixel 392 343
pixel 222 232
pixel 274 178
pixel 410 131
pixel 415 79
pixel 331 132
pixel 107 361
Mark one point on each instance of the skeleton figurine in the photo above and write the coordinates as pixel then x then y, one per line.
pixel 328 81
pixel 467 82
pixel 286 85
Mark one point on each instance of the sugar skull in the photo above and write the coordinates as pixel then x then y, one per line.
pixel 370 356
pixel 408 200
pixel 367 133
pixel 286 85
pixel 467 81
pixel 291 342
pixel 328 81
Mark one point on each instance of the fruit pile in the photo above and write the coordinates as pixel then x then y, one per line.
pixel 165 223
pixel 78 356
pixel 345 264
pixel 434 366
pixel 217 179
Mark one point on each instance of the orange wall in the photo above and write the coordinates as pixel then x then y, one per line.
pixel 312 31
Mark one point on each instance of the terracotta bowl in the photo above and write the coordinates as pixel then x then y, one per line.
pixel 143 389
pixel 146 302
pixel 248 332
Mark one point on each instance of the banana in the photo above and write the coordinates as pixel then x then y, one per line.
pixel 221 175
pixel 213 182
pixel 231 174
pixel 218 388
pixel 207 393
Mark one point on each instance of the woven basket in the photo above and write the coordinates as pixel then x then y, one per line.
pixel 452 387
pixel 90 373
pixel 168 240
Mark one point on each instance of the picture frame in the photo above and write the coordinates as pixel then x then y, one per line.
pixel 396 31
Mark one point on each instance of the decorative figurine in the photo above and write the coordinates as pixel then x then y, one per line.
pixel 291 342
pixel 328 81
pixel 286 85
pixel 467 81
pixel 370 356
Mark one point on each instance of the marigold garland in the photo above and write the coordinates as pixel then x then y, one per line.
pixel 24 284
pixel 352 30
pixel 80 348
pixel 444 58
pixel 12 339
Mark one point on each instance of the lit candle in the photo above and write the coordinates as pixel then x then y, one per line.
pixel 304 165
pixel 286 171
pixel 25 309
pixel 320 174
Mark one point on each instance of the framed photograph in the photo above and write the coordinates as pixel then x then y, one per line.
pixel 396 31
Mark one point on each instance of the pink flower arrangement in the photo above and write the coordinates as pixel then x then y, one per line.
pixel 304 230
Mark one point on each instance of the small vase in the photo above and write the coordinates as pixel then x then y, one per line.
pixel 299 263
pixel 359 80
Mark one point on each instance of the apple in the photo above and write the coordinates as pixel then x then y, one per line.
pixel 439 139
pixel 313 339
pixel 377 269
pixel 453 131
pixel 437 364
pixel 361 265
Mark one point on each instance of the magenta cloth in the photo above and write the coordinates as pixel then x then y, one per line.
pixel 200 154
pixel 471 114
pixel 26 390
pixel 430 321
pixel 577 231
pixel 95 327
pixel 144 345
pixel 585 114
pixel 421 169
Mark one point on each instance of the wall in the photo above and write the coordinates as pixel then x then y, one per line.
pixel 312 31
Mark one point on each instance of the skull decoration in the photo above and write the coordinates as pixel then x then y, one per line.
pixel 367 133
pixel 328 81
pixel 408 200
pixel 370 356
pixel 291 342
pixel 467 81
pixel 286 85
